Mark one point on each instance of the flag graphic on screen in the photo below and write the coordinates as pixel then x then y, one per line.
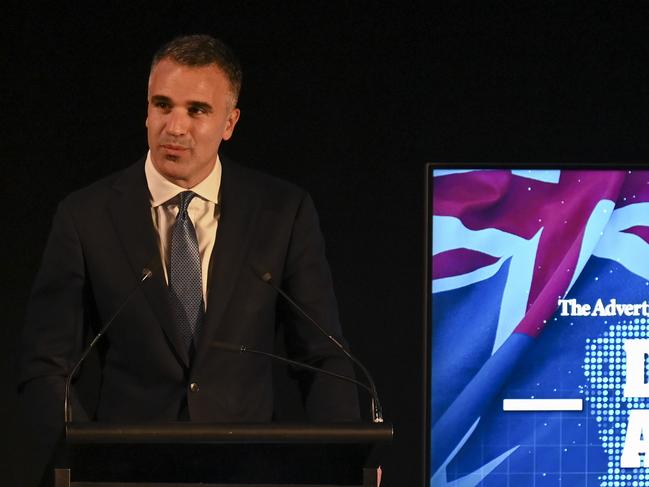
pixel 506 247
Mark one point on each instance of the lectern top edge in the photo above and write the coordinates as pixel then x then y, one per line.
pixel 184 432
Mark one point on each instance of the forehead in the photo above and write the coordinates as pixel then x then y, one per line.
pixel 179 82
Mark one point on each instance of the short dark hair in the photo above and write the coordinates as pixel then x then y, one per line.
pixel 203 50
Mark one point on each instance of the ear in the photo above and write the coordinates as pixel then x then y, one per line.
pixel 230 123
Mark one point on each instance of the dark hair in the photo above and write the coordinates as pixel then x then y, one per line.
pixel 202 50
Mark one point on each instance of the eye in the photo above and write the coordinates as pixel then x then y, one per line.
pixel 196 110
pixel 163 105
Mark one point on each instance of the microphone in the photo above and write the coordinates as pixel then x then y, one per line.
pixel 67 407
pixel 376 409
pixel 229 347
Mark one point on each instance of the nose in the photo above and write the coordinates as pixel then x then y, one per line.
pixel 177 123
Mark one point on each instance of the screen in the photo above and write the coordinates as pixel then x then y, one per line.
pixel 538 331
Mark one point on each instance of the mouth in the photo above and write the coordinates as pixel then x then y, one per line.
pixel 174 148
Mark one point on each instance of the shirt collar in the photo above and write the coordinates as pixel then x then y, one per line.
pixel 162 190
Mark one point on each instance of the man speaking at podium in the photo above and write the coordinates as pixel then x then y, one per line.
pixel 206 230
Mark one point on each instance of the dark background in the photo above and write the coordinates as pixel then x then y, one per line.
pixel 334 98
pixel 348 99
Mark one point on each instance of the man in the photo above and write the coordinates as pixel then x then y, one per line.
pixel 207 229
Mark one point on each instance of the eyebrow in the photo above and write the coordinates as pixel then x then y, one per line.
pixel 158 98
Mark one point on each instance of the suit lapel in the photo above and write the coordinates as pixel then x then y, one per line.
pixel 131 216
pixel 239 209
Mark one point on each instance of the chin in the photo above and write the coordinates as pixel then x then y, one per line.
pixel 171 168
pixel 169 157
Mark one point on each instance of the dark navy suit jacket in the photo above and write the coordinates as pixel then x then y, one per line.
pixel 101 239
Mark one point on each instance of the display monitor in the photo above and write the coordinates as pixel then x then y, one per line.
pixel 537 323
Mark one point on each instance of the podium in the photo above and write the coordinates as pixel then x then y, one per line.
pixel 187 454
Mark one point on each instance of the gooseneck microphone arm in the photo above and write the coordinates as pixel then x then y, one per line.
pixel 377 410
pixel 244 349
pixel 67 407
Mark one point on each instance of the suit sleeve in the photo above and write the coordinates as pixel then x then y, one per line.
pixel 307 279
pixel 53 332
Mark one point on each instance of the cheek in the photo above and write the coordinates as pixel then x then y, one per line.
pixel 209 135
pixel 154 122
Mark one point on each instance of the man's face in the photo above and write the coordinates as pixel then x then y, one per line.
pixel 190 110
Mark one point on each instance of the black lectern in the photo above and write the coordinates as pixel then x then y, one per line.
pixel 221 455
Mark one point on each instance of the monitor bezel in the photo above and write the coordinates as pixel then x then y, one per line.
pixel 427 261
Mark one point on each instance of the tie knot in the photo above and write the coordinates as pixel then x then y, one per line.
pixel 185 198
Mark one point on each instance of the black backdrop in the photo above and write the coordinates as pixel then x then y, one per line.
pixel 345 98
pixel 332 100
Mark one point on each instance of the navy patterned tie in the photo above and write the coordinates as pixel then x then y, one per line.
pixel 185 287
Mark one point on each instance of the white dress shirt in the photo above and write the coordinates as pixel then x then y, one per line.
pixel 203 211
